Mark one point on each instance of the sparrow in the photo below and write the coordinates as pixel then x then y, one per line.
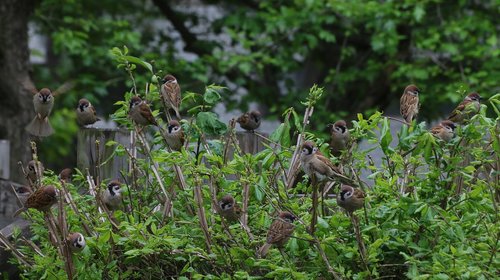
pixel 315 163
pixel 140 112
pixel 41 200
pixel 174 135
pixel 76 242
pixel 22 193
pixel 279 232
pixel 444 131
pixel 340 137
pixel 351 199
pixel 171 94
pixel 229 209
pixel 43 101
pixel 250 120
pixel 466 109
pixel 85 113
pixel 409 103
pixel 112 196
pixel 65 175
pixel 35 170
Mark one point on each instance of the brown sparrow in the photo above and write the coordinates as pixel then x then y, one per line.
pixel 174 135
pixel 43 101
pixel 340 137
pixel 229 209
pixel 76 242
pixel 35 170
pixel 250 120
pixel 466 109
pixel 409 103
pixel 65 175
pixel 85 113
pixel 315 163
pixel 351 199
pixel 171 94
pixel 279 232
pixel 41 200
pixel 112 196
pixel 444 131
pixel 140 112
pixel 22 193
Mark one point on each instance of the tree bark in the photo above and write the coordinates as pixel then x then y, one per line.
pixel 16 107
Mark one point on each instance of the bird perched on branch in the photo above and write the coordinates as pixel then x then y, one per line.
pixel 171 94
pixel 339 137
pixel 43 101
pixel 444 130
pixel 174 135
pixel 279 232
pixel 316 165
pixel 250 121
pixel 351 199
pixel 85 113
pixel 140 112
pixel 65 175
pixel 229 209
pixel 112 196
pixel 35 170
pixel 409 104
pixel 466 109
pixel 76 242
pixel 41 200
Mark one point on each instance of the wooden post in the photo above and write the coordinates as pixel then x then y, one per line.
pixel 5 156
pixel 250 143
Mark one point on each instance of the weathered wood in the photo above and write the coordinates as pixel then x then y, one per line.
pixel 8 202
pixel 249 142
pixel 5 156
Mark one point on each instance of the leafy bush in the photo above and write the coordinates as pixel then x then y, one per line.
pixel 431 212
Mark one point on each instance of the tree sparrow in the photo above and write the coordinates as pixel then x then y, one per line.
pixel 41 200
pixel 409 103
pixel 65 175
pixel 76 242
pixel 350 198
pixel 22 193
pixel 112 196
pixel 466 109
pixel 174 135
pixel 229 209
pixel 140 112
pixel 340 137
pixel 279 232
pixel 43 101
pixel 250 120
pixel 444 131
pixel 171 94
pixel 85 113
pixel 316 164
pixel 35 170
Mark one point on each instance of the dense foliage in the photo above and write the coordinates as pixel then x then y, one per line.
pixel 431 212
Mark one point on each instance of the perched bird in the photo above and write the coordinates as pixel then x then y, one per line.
pixel 444 131
pixel 65 175
pixel 85 113
pixel 22 193
pixel 35 170
pixel 41 200
pixel 43 101
pixel 250 120
pixel 340 137
pixel 140 112
pixel 279 232
pixel 174 135
pixel 76 242
pixel 112 196
pixel 171 94
pixel 466 109
pixel 229 209
pixel 409 103
pixel 314 163
pixel 351 199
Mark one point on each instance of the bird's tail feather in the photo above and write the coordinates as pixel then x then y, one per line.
pixel 264 249
pixel 40 127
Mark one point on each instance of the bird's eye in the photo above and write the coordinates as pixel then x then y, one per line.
pixel 315 149
pixel 304 150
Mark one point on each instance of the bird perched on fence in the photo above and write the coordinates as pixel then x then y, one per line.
pixel 229 209
pixel 43 101
pixel 316 165
pixel 444 130
pixel 279 232
pixel 339 137
pixel 112 196
pixel 171 94
pixel 174 135
pixel 35 170
pixel 250 120
pixel 351 199
pixel 409 103
pixel 85 113
pixel 140 112
pixel 466 109
pixel 41 200
pixel 76 242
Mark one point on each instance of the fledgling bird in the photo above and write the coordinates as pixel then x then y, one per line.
pixel 466 109
pixel 444 130
pixel 22 193
pixel 351 199
pixel 174 135
pixel 250 121
pixel 340 137
pixel 41 200
pixel 35 170
pixel 171 94
pixel 43 101
pixel 140 112
pixel 85 113
pixel 314 163
pixel 76 242
pixel 229 209
pixel 112 196
pixel 65 175
pixel 279 232
pixel 409 104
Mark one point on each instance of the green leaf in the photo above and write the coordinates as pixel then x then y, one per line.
pixel 136 60
pixel 210 124
pixel 211 96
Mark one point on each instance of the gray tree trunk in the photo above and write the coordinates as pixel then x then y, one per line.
pixel 16 107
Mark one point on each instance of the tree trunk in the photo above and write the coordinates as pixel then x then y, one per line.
pixel 16 107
